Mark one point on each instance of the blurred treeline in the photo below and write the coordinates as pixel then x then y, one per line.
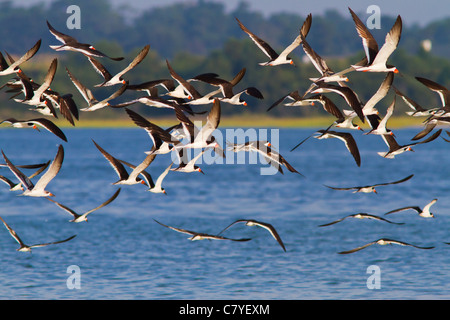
pixel 198 37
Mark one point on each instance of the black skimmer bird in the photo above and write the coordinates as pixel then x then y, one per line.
pixel 200 236
pixel 163 140
pixel 25 248
pixel 71 44
pixel 65 103
pixel 439 116
pixel 157 102
pixel 18 186
pixel 226 88
pixel 381 129
pixel 189 166
pixel 430 124
pixel 50 99
pixel 443 92
pixel 111 80
pixel 383 242
pixel 376 59
pixel 34 123
pixel 342 120
pixel 418 110
pixel 236 99
pixel 184 90
pixel 124 177
pixel 275 58
pixel 209 75
pixel 150 87
pixel 202 138
pixel 6 69
pixel 369 110
pixel 83 217
pixel 297 100
pixel 361 215
pixel 20 85
pixel 396 149
pixel 425 212
pixel 346 137
pixel 267 226
pixel 327 75
pixel 348 94
pixel 264 148
pixel 12 185
pixel 93 103
pixel 156 187
pixel 371 188
pixel 38 189
pixel 48 109
pixel 189 91
pixel 37 97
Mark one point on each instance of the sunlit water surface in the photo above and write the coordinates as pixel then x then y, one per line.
pixel 122 253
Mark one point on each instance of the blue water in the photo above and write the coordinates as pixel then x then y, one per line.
pixel 123 254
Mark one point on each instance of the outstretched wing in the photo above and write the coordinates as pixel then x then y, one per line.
pixel 395 182
pixel 49 243
pixel 52 171
pixel 262 45
pixel 358 248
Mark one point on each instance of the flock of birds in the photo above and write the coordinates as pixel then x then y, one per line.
pixel 181 95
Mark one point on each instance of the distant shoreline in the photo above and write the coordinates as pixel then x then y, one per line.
pixel 245 121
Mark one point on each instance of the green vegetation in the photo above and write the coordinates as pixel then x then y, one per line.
pixel 214 43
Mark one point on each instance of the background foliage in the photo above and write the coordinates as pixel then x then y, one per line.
pixel 200 36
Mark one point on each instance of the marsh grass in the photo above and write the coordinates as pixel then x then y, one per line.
pixel 243 122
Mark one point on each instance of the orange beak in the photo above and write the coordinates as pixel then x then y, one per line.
pixel 396 71
pixel 245 103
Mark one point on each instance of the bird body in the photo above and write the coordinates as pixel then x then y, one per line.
pixel 26 248
pixel 275 58
pixel 38 189
pixel 425 212
pixel 383 242
pixel 371 188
